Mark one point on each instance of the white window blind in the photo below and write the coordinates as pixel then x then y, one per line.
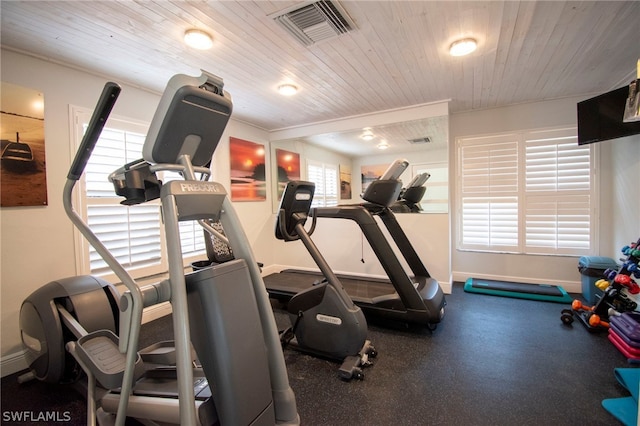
pixel 558 193
pixel 325 176
pixel 131 233
pixel 489 190
pixel 527 192
pixel 191 233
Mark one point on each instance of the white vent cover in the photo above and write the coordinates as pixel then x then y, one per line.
pixel 424 139
pixel 315 21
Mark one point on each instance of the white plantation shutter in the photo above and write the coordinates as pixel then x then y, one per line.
pixel 191 233
pixel 325 176
pixel 489 189
pixel 526 193
pixel 331 185
pixel 490 223
pixel 133 234
pixel 557 165
pixel 558 203
pixel 558 224
pixel 130 233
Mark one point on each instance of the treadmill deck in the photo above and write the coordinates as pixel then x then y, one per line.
pixel 361 290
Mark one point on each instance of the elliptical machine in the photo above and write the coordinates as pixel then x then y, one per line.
pixel 223 311
pixel 325 321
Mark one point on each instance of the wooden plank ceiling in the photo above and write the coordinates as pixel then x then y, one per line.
pixel 397 56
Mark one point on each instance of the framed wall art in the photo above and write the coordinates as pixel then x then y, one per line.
pixel 288 168
pixel 345 182
pixel 23 166
pixel 369 173
pixel 248 170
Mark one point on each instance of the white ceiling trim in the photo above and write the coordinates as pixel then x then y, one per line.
pixel 381 118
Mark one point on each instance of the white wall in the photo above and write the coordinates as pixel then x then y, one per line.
pixel 620 169
pixel 619 220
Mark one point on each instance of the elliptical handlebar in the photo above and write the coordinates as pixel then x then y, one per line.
pixel 98 119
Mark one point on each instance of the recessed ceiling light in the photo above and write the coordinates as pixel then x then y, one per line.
pixel 367 135
pixel 198 39
pixel 383 145
pixel 287 89
pixel 463 47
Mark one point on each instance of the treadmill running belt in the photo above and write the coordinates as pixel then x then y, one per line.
pixel 290 282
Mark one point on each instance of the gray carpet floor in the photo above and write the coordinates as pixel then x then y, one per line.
pixel 492 361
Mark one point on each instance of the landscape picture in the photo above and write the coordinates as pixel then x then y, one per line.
pixel 371 173
pixel 345 182
pixel 248 171
pixel 288 164
pixel 23 174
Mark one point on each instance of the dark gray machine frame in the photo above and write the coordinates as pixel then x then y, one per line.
pixel 325 320
pixel 417 299
pixel 224 310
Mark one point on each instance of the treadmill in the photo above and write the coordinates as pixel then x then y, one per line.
pixel 410 197
pixel 416 299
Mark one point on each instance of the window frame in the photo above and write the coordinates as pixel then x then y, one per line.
pixel 521 195
pixel 79 116
pixel 321 201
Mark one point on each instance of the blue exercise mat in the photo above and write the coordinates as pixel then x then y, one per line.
pixel 625 409
pixel 629 378
pixel 544 292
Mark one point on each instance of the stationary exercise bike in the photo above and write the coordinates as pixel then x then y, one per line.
pixel 325 321
pixel 223 312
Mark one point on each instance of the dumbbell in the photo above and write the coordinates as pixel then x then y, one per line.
pixel 631 266
pixel 602 284
pixel 595 321
pixel 577 305
pixel 610 273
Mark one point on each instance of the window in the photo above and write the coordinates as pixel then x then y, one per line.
pixel 325 176
pixel 133 234
pixel 530 192
pixel 191 233
pixel 436 196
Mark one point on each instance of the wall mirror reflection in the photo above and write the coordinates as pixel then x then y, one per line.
pixel 345 160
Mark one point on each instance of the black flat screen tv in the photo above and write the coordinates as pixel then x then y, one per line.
pixel 600 118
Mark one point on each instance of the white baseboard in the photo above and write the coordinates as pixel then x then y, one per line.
pixel 569 286
pixel 13 363
pixel 156 311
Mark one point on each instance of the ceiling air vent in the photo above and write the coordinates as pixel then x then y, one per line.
pixel 425 139
pixel 315 21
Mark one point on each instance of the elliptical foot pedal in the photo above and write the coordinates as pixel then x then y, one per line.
pixel 100 353
pixel 350 368
pixel 352 365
